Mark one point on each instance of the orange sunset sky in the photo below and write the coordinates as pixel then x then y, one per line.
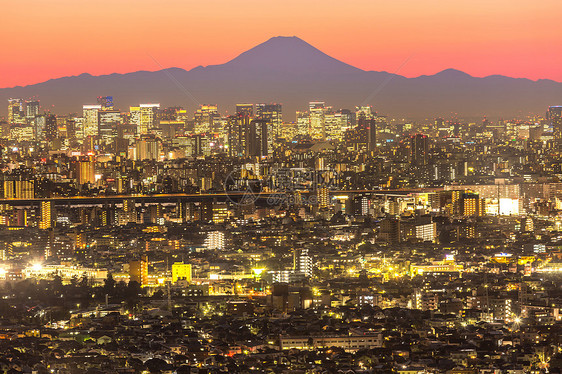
pixel 44 39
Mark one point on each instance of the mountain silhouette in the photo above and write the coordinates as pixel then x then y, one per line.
pixel 290 71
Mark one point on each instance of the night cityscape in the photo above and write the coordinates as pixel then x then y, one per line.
pixel 185 221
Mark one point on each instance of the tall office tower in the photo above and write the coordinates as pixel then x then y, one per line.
pixel 245 110
pixel 317 111
pixel 31 109
pixel 106 102
pixel 18 188
pixel 15 111
pixel 323 196
pixel 85 171
pixel 419 150
pixel 257 139
pixel 78 127
pixel 90 113
pixel 51 128
pixel 138 271
pixel 368 130
pixel 62 131
pixel 554 117
pixel 364 111
pixel 303 123
pixel 248 138
pixel 273 114
pixel 204 118
pixel 236 135
pixel 147 118
pixel 144 117
pixel 337 123
pixel 302 262
pixel 39 127
pixel 47 214
pixel 108 123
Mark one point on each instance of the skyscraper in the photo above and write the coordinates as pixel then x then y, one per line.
pixel 31 109
pixel 258 142
pixel 245 109
pixel 317 112
pixel 272 113
pixel 205 118
pixel 236 134
pixel 248 138
pixel 90 113
pixel 144 117
pixel 106 102
pixel 51 129
pixel 46 216
pixel 15 111
pixel 554 117
pixel 303 124
pixel 85 171
pixel 109 120
pixel 302 262
pixel 419 150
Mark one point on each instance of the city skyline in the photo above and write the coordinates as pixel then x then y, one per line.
pixel 286 209
pixel 408 38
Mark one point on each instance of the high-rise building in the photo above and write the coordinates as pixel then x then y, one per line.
pixel 109 120
pixel 204 118
pixel 337 123
pixel 317 111
pixel 106 102
pixel 85 171
pixel 419 150
pixel 138 271
pixel 364 135
pixel 236 135
pixel 18 188
pixel 15 111
pixel 128 214
pixel 144 117
pixel 245 110
pixel 90 113
pixel 302 262
pixel 273 114
pixel 51 128
pixel 554 117
pixel 39 127
pixel 47 213
pixel 248 138
pixel 215 240
pixel 31 109
pixel 390 230
pixel 257 139
pixel 472 205
pixel 148 148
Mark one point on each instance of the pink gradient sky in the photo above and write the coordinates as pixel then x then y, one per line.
pixel 44 39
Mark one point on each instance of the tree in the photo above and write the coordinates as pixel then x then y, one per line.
pixel 109 284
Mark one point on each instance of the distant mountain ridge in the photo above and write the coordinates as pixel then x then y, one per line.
pixel 290 71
